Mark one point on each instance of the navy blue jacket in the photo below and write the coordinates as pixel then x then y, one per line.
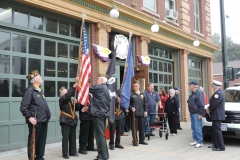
pixel 34 101
pixel 100 102
pixel 139 101
pixel 196 102
pixel 171 106
pixel 217 105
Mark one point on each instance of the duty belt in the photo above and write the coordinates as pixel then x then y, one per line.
pixel 72 115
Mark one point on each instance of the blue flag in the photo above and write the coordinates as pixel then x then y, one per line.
pixel 129 73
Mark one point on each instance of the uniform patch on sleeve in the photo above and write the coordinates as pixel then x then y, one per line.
pixel 216 96
pixel 141 96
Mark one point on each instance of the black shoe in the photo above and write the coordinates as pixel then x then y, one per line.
pixel 94 149
pixel 151 134
pixel 75 155
pixel 179 128
pixel 211 146
pixel 65 157
pixel 97 159
pixel 218 149
pixel 143 142
pixel 135 144
pixel 146 134
pixel 82 152
pixel 119 146
pixel 111 147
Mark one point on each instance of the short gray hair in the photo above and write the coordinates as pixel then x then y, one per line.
pixel 104 79
pixel 32 80
pixel 171 91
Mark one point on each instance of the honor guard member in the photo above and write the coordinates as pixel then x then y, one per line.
pixel 36 112
pixel 68 121
pixel 178 114
pixel 117 125
pixel 138 105
pixel 216 110
pixel 100 105
pixel 86 135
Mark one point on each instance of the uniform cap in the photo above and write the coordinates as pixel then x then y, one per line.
pixel 62 88
pixel 217 83
pixel 193 83
pixel 176 88
pixel 136 81
pixel 33 74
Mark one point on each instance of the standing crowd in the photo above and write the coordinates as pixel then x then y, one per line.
pixel 143 109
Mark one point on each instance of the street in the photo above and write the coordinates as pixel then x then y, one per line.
pixel 175 148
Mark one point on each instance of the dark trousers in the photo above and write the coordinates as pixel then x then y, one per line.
pixel 123 125
pixel 178 121
pixel 172 121
pixel 68 135
pixel 139 126
pixel 217 135
pixel 40 140
pixel 100 138
pixel 86 136
pixel 118 126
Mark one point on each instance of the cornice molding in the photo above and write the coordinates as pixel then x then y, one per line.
pixel 102 26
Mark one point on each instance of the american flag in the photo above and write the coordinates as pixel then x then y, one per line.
pixel 85 70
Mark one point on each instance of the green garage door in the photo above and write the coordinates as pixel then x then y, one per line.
pixel 33 39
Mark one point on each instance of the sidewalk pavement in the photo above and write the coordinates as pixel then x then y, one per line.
pixel 175 148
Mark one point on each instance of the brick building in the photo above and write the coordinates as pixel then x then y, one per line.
pixel 44 35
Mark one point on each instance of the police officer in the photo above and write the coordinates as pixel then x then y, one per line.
pixel 68 121
pixel 216 110
pixel 117 125
pixel 138 105
pixel 196 109
pixel 36 112
pixel 100 104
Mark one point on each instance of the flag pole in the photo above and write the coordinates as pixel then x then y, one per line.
pixel 79 58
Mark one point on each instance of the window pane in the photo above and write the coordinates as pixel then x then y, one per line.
pixel 155 88
pixel 49 88
pixel 4 87
pixel 170 79
pixel 155 51
pixel 49 68
pixel 169 68
pixel 75 31
pixel 155 75
pixel 161 78
pixel 199 65
pixel 165 79
pixel 74 52
pixel 34 64
pixel 62 50
pixel 36 22
pixel 4 63
pixel 34 46
pixel 6 14
pixel 18 87
pixel 150 51
pixel 189 73
pixel 19 43
pixel 170 55
pixel 150 4
pixel 150 65
pixel 64 28
pixel 20 18
pixel 150 78
pixel 5 41
pixel 166 54
pixel 51 25
pixel 160 66
pixel 73 70
pixel 165 67
pixel 62 69
pixel 19 65
pixel 155 65
pixel 61 84
pixel 49 48
pixel 167 4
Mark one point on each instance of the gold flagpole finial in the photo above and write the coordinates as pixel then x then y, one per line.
pixel 83 16
pixel 130 33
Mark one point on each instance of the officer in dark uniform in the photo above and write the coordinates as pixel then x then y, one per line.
pixel 68 121
pixel 178 114
pixel 36 112
pixel 216 110
pixel 119 115
pixel 100 105
pixel 138 105
pixel 86 135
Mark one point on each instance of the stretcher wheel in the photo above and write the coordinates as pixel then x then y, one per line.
pixel 166 136
pixel 160 133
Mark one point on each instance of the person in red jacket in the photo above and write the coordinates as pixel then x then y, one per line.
pixel 163 96
pixel 204 96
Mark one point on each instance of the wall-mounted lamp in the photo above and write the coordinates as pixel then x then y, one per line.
pixel 155 27
pixel 114 12
pixel 196 43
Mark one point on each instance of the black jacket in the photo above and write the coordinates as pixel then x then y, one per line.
pixel 139 101
pixel 118 107
pixel 100 102
pixel 84 115
pixel 196 102
pixel 171 106
pixel 64 106
pixel 217 105
pixel 34 101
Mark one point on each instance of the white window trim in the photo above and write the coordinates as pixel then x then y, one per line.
pixel 198 16
pixel 150 12
pixel 150 9
pixel 174 4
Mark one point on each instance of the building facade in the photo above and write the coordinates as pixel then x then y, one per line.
pixel 44 35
